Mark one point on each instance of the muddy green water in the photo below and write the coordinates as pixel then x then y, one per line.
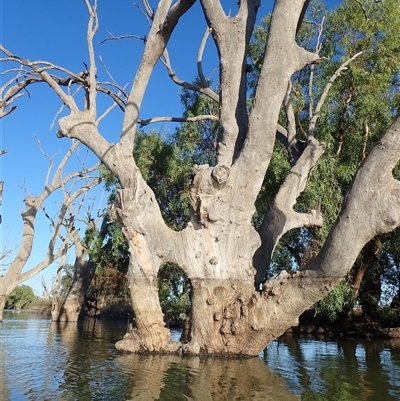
pixel 40 360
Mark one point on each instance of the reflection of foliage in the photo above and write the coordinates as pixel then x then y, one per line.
pixel 338 301
pixel 20 298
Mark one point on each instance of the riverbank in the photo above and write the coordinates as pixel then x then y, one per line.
pixel 115 310
pixel 355 325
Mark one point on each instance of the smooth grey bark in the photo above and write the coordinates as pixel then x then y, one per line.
pixel 220 252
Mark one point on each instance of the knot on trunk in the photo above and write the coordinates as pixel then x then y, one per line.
pixel 220 174
pixel 205 195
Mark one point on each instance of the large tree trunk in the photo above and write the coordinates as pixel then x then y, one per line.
pixel 72 306
pixel 148 333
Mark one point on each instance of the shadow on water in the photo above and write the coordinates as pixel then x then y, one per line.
pixel 40 360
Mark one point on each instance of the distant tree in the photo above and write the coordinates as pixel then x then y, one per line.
pixel 72 186
pixel 20 297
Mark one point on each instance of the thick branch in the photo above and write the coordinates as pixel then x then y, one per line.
pixel 282 58
pixel 371 207
pixel 280 217
pixel 231 36
pixel 165 20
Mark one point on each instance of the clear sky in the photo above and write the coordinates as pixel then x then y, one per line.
pixel 56 31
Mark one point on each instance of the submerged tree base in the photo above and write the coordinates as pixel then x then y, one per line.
pixel 229 318
pixel 133 342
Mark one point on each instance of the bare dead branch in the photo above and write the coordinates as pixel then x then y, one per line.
pixel 365 139
pixel 204 83
pixel 48 157
pixel 148 9
pixel 119 98
pixel 205 90
pixel 120 37
pixel 153 120
pixel 92 27
pixel 315 114
pixel 35 203
pixel 362 8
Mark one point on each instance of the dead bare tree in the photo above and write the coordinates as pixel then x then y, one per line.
pixel 80 182
pixel 46 292
pixel 233 311
pixel 71 307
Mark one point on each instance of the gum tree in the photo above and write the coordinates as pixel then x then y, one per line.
pixel 234 312
pixel 73 186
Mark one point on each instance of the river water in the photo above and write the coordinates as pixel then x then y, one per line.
pixel 41 360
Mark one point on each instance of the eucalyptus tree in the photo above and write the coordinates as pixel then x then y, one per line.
pixel 234 312
pixel 359 108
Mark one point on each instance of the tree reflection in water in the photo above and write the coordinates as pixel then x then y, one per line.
pixel 41 360
pixel 170 377
pixel 99 373
pixel 337 369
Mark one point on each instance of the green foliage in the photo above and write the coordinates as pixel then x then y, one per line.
pixel 361 105
pixel 389 317
pixel 174 292
pixel 66 279
pixel 20 298
pixel 340 300
pixel 166 168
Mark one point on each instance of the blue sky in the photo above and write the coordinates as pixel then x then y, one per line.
pixel 56 31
